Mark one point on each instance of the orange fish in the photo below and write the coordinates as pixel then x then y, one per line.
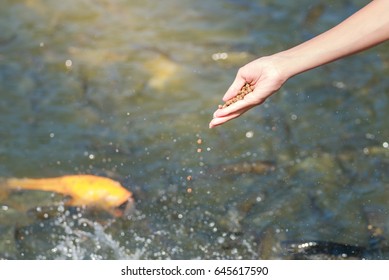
pixel 83 190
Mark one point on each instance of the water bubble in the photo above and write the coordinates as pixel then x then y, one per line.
pixel 339 84
pixel 293 117
pixel 250 134
pixel 68 63
pixel 219 56
pixel 370 136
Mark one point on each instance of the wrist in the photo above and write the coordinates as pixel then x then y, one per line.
pixel 286 65
pixel 300 59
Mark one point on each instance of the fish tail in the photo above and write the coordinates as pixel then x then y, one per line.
pixel 47 184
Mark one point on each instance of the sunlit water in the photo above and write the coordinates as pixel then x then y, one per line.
pixel 125 89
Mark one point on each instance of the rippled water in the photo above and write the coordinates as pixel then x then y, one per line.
pixel 125 89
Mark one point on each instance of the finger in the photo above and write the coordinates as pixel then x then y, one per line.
pixel 218 121
pixel 241 105
pixel 222 119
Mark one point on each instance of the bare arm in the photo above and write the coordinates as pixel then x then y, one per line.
pixel 364 29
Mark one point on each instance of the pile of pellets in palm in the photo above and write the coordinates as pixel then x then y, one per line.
pixel 246 89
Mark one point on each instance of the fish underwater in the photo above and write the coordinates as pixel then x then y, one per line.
pixel 83 191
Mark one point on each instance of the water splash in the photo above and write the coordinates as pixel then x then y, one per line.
pixel 90 243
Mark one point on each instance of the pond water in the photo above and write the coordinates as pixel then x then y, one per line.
pixel 126 89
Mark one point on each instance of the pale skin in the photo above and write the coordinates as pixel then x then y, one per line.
pixel 364 29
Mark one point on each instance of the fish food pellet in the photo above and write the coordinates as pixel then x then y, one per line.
pixel 246 89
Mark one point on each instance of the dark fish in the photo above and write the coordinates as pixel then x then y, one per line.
pixel 255 167
pixel 302 249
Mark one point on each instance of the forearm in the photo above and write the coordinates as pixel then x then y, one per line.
pixel 364 29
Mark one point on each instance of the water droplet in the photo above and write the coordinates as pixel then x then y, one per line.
pixel 220 240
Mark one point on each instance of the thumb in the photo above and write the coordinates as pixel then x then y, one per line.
pixel 233 90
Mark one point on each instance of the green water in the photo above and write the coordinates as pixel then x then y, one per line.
pixel 125 89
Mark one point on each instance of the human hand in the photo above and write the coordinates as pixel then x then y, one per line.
pixel 264 75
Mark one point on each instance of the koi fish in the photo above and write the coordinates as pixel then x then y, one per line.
pixel 83 190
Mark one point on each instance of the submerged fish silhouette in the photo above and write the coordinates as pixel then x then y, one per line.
pixel 83 190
